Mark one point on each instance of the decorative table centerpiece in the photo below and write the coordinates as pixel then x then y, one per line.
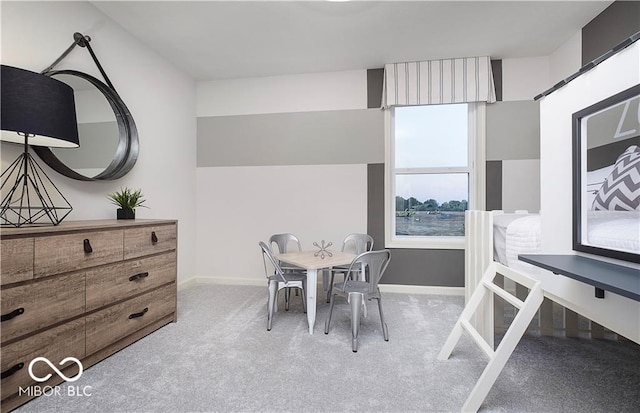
pixel 324 249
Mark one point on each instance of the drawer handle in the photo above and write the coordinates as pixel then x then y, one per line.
pixel 87 246
pixel 140 314
pixel 139 276
pixel 154 237
pixel 12 371
pixel 14 313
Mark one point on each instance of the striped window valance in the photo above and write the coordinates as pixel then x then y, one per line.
pixel 438 81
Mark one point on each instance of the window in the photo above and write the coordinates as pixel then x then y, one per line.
pixel 433 154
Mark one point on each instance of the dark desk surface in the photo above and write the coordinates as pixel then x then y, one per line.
pixel 615 278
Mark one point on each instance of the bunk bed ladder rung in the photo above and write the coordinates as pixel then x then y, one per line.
pixel 514 301
pixel 466 325
pixel 499 357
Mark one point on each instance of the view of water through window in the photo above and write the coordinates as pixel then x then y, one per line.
pixel 431 166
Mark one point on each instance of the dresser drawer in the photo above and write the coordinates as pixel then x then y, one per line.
pixel 113 283
pixel 17 260
pixel 56 344
pixel 62 253
pixel 107 326
pixel 41 303
pixel 139 242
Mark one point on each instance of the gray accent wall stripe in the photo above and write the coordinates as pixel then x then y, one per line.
pixel 437 268
pixel 302 138
pixel 496 69
pixel 375 203
pixel 606 155
pixel 442 268
pixel 513 130
pixel 375 78
pixel 494 185
pixel 617 22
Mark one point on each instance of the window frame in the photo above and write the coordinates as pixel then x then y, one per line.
pixel 477 177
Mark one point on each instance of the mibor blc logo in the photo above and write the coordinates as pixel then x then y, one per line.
pixel 55 390
pixel 58 372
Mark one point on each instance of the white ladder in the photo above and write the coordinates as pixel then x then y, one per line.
pixel 498 358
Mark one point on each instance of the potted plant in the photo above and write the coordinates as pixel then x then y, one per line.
pixel 128 200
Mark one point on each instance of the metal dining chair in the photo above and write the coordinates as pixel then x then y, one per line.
pixel 356 243
pixel 356 291
pixel 283 243
pixel 277 280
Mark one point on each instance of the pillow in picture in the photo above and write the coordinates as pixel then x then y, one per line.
pixel 621 189
pixel 595 180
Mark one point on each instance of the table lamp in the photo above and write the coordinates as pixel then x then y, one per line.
pixel 35 110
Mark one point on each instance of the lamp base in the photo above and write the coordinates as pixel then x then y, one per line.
pixel 29 197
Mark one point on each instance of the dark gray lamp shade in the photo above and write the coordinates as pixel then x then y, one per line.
pixel 35 104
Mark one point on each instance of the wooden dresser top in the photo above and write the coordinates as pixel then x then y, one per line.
pixel 78 226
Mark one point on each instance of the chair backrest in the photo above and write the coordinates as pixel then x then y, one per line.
pixel 283 240
pixel 357 243
pixel 376 262
pixel 268 256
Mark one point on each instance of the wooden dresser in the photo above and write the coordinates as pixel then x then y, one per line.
pixel 82 289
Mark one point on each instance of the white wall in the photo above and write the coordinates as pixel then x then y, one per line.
pixel 239 206
pixel 522 80
pixel 165 102
pixel 617 313
pixel 238 260
pixel 161 99
pixel 566 60
pixel 279 94
pixel 610 77
pixel 525 78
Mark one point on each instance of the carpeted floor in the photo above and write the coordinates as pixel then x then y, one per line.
pixel 219 357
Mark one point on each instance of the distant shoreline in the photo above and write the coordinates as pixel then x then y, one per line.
pixel 427 223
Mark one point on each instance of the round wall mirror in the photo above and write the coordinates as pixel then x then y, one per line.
pixel 108 135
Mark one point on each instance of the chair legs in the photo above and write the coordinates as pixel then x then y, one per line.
pixel 385 329
pixel 304 295
pixel 326 285
pixel 326 323
pixel 330 287
pixel 356 303
pixel 271 302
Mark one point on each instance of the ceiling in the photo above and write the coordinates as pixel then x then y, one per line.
pixel 236 39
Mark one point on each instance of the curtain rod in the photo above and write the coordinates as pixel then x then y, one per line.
pixel 620 46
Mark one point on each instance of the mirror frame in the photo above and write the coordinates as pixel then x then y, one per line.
pixel 578 178
pixel 128 146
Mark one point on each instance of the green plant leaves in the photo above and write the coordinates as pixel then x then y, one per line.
pixel 127 198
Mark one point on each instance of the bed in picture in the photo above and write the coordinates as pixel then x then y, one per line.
pixel 606 177
pixel 612 199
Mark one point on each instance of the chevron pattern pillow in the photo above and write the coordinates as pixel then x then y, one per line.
pixel 621 190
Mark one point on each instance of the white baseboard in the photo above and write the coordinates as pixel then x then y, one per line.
pixel 187 283
pixel 388 288
pixel 421 289
pixel 221 280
